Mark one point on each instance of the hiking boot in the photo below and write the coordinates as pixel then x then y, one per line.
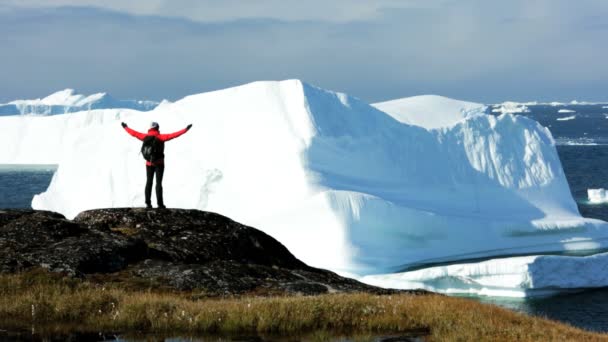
pixel 148 206
pixel 161 206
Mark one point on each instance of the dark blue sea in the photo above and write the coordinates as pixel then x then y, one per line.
pixel 582 144
pixel 19 183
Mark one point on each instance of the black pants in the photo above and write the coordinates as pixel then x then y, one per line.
pixel 150 172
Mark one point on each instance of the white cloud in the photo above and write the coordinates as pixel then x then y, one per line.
pixel 472 49
pixel 228 10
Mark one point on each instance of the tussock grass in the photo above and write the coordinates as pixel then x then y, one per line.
pixel 42 298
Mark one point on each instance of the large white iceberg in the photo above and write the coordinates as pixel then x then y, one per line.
pixel 69 101
pixel 342 184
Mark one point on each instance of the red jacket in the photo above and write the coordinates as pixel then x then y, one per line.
pixel 156 133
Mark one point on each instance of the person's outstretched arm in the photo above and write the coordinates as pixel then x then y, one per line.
pixel 169 136
pixel 133 132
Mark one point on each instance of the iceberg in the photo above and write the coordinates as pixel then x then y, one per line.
pixel 576 142
pixel 567 118
pixel 429 111
pixel 510 108
pixel 30 139
pixel 69 101
pixel 343 185
pixel 597 196
pixel 566 111
pixel 518 277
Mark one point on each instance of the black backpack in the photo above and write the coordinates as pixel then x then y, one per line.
pixel 152 148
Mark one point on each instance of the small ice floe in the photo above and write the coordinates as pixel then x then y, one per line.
pixel 510 108
pixel 566 111
pixel 597 195
pixel 567 118
pixel 576 142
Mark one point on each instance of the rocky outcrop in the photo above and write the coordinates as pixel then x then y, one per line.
pixel 181 249
pixel 45 239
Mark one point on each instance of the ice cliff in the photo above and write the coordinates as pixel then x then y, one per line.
pixel 342 184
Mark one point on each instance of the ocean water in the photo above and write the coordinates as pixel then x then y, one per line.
pixel 19 183
pixel 582 144
pixel 586 167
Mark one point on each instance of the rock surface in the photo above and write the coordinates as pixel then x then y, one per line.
pixel 177 248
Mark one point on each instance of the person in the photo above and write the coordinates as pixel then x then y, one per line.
pixel 157 165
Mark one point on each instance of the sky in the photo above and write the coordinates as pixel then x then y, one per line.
pixel 477 50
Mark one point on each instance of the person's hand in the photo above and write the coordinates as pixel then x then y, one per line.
pixel 124 125
pixel 188 127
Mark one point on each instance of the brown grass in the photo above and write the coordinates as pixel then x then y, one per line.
pixel 42 298
pixel 127 231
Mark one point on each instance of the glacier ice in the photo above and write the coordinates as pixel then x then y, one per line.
pixel 567 118
pixel 526 276
pixel 510 107
pixel 597 195
pixel 429 111
pixel 69 101
pixel 576 141
pixel 344 185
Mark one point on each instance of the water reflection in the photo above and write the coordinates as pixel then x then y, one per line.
pixel 53 334
pixel 585 310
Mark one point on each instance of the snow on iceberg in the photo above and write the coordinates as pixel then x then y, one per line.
pixel 597 196
pixel 342 184
pixel 69 101
pixel 429 111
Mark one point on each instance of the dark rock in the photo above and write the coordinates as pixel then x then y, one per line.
pixel 180 249
pixel 192 236
pixel 48 240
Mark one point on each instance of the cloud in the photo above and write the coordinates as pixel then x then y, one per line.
pixel 472 49
pixel 228 10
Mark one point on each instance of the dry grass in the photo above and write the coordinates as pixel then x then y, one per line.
pixel 127 231
pixel 41 298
